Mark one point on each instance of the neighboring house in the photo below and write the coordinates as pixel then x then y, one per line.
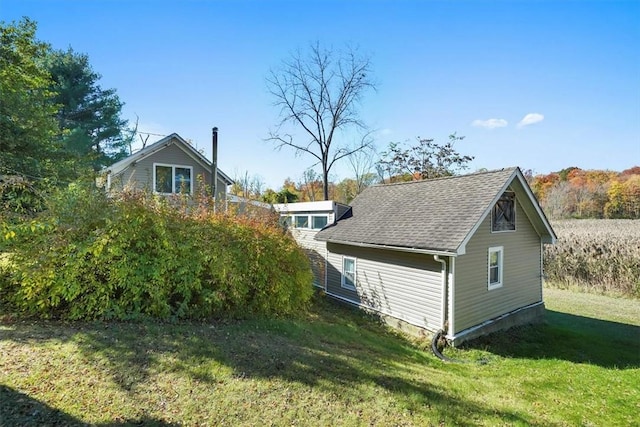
pixel 168 166
pixel 304 220
pixel 462 254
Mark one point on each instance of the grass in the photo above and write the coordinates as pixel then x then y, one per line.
pixel 333 366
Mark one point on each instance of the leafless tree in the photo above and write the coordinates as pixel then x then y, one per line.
pixel 320 92
pixel 247 186
pixel 362 165
pixel 557 201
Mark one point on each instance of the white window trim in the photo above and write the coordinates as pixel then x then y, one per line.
pixel 343 283
pixel 309 220
pixel 318 216
pixel 173 177
pixel 500 251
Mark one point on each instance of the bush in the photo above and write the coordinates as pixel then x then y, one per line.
pixel 138 255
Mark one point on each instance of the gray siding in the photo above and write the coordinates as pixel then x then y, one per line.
pixel 140 174
pixel 522 281
pixel 403 285
pixel 315 250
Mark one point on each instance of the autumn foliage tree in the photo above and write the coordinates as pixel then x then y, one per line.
pixel 578 193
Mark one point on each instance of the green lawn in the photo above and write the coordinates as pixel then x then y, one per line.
pixel 334 366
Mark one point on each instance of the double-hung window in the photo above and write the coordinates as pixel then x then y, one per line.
pixel 496 261
pixel 172 179
pixel 348 273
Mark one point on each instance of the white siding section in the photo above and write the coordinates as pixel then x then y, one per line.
pixel 406 286
pixel 315 250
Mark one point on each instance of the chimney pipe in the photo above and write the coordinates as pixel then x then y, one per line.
pixel 214 161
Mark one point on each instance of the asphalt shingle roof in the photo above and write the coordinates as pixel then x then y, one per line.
pixel 433 215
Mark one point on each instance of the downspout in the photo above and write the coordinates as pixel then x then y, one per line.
pixel 440 338
pixel 214 164
pixel 443 274
pixel 326 266
pixel 452 293
pixel 541 271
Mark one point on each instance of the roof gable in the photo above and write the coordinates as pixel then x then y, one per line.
pixel 434 215
pixel 173 139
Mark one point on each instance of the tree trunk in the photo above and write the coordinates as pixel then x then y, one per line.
pixel 325 181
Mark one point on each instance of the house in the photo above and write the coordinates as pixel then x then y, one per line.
pixel 168 166
pixel 460 254
pixel 305 220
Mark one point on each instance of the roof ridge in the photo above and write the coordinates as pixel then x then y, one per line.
pixel 442 178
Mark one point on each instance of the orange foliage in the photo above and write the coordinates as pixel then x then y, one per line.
pixel 591 193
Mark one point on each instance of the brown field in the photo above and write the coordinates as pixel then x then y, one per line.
pixel 599 255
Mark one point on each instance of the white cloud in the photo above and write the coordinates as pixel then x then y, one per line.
pixel 530 119
pixel 490 123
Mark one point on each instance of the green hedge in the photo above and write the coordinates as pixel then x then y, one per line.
pixel 140 255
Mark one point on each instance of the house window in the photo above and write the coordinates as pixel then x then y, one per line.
pixel 285 221
pixel 170 179
pixel 503 215
pixel 302 221
pixel 496 257
pixel 349 273
pixel 182 181
pixel 319 222
pixel 314 222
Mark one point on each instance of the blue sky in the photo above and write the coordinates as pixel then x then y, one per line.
pixel 542 85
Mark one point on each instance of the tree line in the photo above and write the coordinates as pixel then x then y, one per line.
pixel 400 162
pixel 58 125
pixel 578 193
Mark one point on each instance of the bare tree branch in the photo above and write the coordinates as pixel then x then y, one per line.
pixel 320 93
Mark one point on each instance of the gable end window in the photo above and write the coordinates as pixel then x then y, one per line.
pixel 348 273
pixel 172 179
pixel 503 214
pixel 495 267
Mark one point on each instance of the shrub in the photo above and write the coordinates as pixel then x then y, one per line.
pixel 142 255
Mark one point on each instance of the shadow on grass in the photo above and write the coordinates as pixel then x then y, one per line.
pixel 569 337
pixel 19 409
pixel 333 349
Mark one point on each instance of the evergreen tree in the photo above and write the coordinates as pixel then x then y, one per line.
pixel 90 127
pixel 27 124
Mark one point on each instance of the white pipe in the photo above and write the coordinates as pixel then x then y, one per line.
pixel 541 270
pixel 443 273
pixel 326 267
pixel 452 292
